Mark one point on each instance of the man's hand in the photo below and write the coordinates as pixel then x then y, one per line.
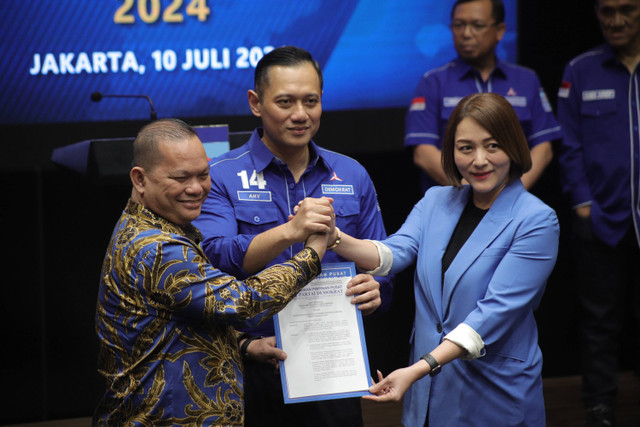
pixel 311 216
pixel 427 158
pixel 264 350
pixel 315 217
pixel 367 291
pixel 584 211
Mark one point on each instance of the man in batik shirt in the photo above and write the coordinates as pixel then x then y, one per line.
pixel 165 317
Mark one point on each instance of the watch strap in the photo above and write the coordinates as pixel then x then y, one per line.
pixel 245 345
pixel 433 363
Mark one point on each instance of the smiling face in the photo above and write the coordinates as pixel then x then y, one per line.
pixel 290 107
pixel 475 32
pixel 481 162
pixel 177 185
pixel 619 22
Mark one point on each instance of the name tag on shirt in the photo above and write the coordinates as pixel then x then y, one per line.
pixel 517 101
pixel 451 101
pixel 254 196
pixel 337 189
pixel 596 95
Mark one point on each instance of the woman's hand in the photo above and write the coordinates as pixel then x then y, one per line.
pixel 394 386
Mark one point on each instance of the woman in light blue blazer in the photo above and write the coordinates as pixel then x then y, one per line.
pixel 484 248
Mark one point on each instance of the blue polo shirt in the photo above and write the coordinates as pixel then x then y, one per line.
pixel 599 156
pixel 440 90
pixel 252 191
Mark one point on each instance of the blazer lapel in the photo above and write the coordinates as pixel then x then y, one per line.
pixel 491 226
pixel 444 221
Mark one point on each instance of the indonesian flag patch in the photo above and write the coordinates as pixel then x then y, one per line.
pixel 417 104
pixel 563 92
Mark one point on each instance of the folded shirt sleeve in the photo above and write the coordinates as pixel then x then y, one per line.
pixel 386 260
pixel 466 337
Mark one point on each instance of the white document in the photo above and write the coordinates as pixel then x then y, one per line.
pixel 322 334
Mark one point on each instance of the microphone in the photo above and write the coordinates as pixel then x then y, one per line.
pixel 97 97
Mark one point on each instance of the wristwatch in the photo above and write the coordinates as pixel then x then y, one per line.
pixel 435 366
pixel 337 242
pixel 245 345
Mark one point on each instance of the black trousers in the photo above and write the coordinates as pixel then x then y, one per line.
pixel 264 404
pixel 608 283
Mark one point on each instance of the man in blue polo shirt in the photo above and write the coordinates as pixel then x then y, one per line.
pixel 477 26
pixel 261 208
pixel 600 163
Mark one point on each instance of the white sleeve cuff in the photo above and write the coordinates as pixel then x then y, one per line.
pixel 466 337
pixel 386 260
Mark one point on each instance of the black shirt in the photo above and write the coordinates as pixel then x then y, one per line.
pixel 469 220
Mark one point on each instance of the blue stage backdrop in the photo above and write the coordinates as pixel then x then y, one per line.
pixel 195 58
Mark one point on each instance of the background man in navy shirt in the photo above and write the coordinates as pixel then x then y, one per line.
pixel 477 27
pixel 246 219
pixel 599 157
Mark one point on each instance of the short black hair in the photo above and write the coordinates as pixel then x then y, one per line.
pixel 288 56
pixel 497 9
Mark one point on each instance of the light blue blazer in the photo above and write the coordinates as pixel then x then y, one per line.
pixel 493 285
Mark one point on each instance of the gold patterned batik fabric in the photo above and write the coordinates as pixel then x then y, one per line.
pixel 166 322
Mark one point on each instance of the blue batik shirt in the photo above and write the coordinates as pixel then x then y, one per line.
pixel 166 319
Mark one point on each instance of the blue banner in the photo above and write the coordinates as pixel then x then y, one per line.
pixel 196 58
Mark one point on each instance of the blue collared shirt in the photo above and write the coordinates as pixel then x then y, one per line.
pixel 440 90
pixel 252 191
pixel 599 156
